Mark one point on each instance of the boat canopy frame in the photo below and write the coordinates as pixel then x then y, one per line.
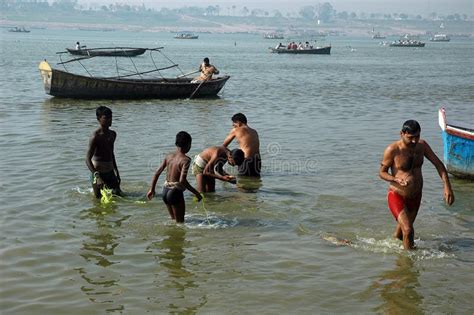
pixel 118 69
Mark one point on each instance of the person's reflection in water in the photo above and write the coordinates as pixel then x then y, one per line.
pixel 178 291
pixel 398 289
pixel 98 248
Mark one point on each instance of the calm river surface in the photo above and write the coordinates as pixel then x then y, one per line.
pixel 323 121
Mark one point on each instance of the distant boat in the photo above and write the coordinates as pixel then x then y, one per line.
pixel 108 52
pixel 458 144
pixel 440 38
pixel 273 36
pixel 186 35
pixel 307 51
pixel 407 41
pixel 126 85
pixel 378 36
pixel 19 30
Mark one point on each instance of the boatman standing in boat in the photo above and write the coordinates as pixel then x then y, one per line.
pixel 404 158
pixel 207 70
pixel 249 143
pixel 100 157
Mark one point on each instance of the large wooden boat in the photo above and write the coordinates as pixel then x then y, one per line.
pixel 458 147
pixel 138 85
pixel 311 51
pixel 108 52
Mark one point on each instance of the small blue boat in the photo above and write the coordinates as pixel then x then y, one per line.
pixel 458 147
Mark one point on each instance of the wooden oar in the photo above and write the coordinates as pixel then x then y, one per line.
pixel 192 95
pixel 185 75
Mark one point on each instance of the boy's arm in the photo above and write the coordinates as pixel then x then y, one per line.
pixel 151 191
pixel 443 173
pixel 90 154
pixel 184 181
pixel 209 169
pixel 113 158
pixel 116 168
pixel 229 138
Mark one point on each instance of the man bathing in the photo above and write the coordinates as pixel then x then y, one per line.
pixel 404 158
pixel 208 166
pixel 176 164
pixel 100 158
pixel 249 143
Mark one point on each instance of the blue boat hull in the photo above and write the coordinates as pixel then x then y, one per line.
pixel 459 155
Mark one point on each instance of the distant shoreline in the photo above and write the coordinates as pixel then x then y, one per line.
pixel 359 29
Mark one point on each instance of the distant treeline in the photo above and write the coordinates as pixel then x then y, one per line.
pixel 71 8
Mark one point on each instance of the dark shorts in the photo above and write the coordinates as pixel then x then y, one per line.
pixel 251 166
pixel 172 196
pixel 110 179
pixel 397 203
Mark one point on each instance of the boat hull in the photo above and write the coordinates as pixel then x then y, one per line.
pixel 458 153
pixel 315 51
pixel 68 85
pixel 107 53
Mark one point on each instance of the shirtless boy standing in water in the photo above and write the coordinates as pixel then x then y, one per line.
pixel 249 143
pixel 176 164
pixel 100 157
pixel 404 158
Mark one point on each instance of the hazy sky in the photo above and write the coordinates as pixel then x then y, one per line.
pixel 368 6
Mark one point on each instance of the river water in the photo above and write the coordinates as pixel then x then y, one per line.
pixel 265 247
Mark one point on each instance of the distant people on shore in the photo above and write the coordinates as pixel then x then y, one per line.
pixel 404 159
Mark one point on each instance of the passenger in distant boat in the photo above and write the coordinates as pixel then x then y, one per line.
pixel 207 70
pixel 249 143
pixel 294 46
pixel 404 159
pixel 289 45
pixel 300 46
pixel 208 166
pixel 78 46
pixel 306 46
pixel 100 158
pixel 176 165
pixel 280 45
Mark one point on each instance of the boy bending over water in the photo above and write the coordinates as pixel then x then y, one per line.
pixel 100 157
pixel 176 165
pixel 208 166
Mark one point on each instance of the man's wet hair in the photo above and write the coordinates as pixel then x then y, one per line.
pixel 103 111
pixel 411 127
pixel 238 156
pixel 182 139
pixel 206 61
pixel 239 117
